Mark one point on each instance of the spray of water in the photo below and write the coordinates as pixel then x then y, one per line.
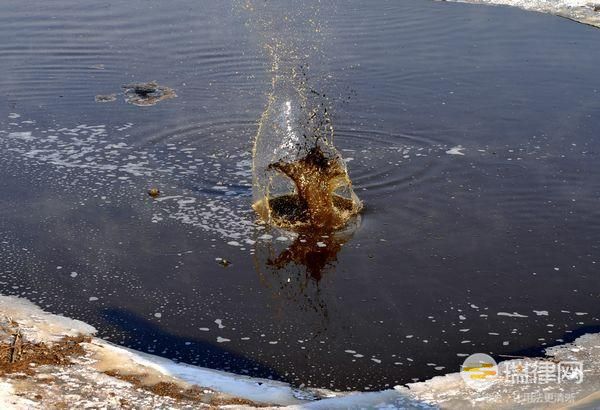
pixel 300 180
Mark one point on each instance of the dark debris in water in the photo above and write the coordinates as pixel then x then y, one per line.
pixel 154 192
pixel 145 94
pixel 223 262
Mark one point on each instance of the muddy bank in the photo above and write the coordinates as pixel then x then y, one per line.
pixel 49 361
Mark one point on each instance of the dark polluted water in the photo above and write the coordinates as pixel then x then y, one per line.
pixel 470 134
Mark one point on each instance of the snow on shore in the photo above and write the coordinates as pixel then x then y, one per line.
pixel 257 390
pixel 109 376
pixel 451 392
pixel 583 11
pixel 86 382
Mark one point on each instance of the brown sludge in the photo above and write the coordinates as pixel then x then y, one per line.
pixel 315 203
pixel 21 356
pixel 177 392
pixel 24 360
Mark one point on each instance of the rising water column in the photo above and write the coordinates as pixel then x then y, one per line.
pixel 300 180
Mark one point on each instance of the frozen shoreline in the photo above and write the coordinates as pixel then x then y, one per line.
pixel 583 11
pixel 90 379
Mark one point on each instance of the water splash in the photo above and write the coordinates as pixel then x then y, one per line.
pixel 300 180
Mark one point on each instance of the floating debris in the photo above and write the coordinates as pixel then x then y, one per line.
pixel 145 94
pixel 105 98
pixel 154 192
pixel 223 262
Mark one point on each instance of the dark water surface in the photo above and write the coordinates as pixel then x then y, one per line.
pixel 496 250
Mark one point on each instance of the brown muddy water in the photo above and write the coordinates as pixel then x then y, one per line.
pixel 470 135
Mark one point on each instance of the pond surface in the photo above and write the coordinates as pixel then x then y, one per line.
pixel 471 135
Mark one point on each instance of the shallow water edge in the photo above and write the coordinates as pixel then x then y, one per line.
pixel 586 12
pixel 113 375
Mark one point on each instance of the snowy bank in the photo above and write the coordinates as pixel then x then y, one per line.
pixel 49 361
pixel 583 11
pixel 40 370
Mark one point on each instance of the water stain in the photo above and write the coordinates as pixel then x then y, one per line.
pixel 293 273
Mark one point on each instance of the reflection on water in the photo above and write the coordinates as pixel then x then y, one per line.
pixel 313 251
pixel 293 272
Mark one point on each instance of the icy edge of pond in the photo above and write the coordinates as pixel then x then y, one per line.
pixel 542 387
pixel 39 326
pixel 447 391
pixel 254 389
pixel 583 11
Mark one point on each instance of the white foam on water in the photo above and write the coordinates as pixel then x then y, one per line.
pixel 25 135
pixel 458 150
pixel 514 314
pixel 100 161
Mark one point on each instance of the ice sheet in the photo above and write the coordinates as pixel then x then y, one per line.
pixel 583 11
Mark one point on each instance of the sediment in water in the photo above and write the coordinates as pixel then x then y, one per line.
pixel 314 202
pixel 300 180
pixel 146 94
